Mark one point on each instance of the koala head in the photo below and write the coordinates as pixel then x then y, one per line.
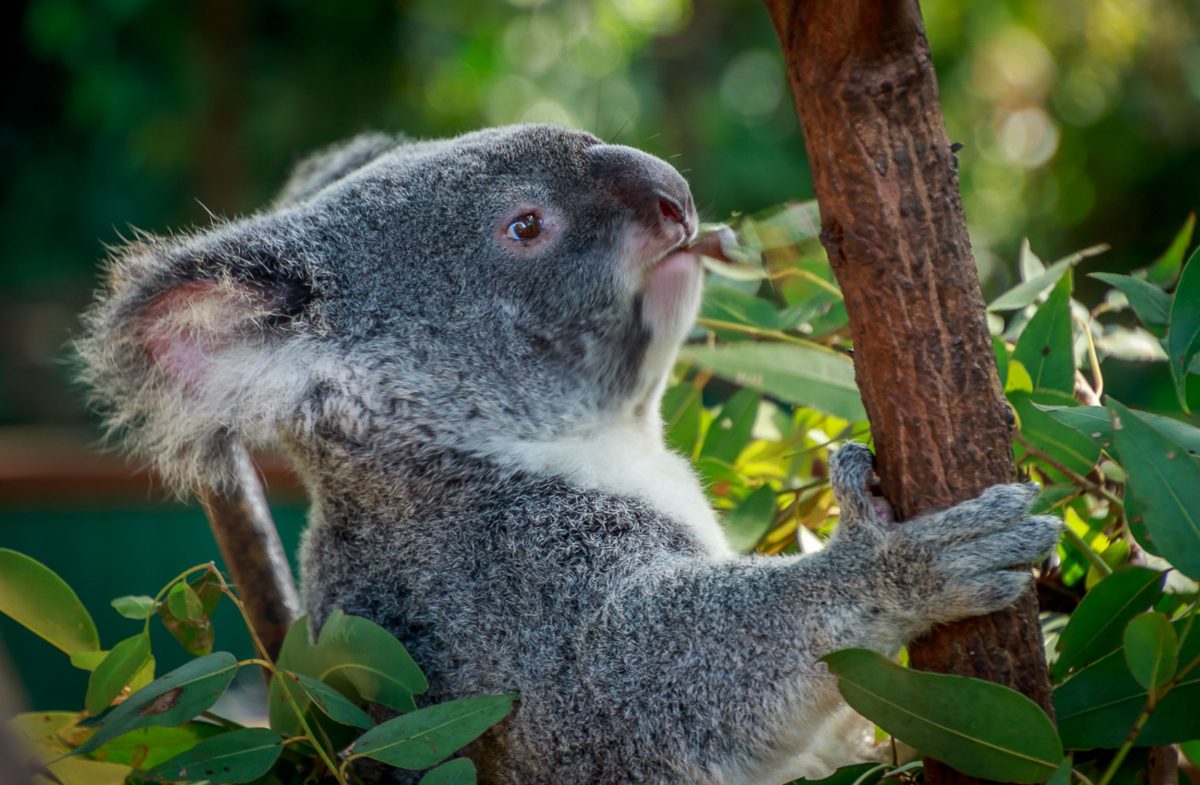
pixel 523 282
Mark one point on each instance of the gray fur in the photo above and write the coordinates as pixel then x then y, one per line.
pixel 371 324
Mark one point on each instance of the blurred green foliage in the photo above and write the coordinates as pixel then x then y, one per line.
pixel 1080 119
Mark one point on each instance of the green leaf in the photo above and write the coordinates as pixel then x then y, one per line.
pixel 460 771
pixel 117 671
pixel 351 654
pixel 88 660
pixel 426 737
pixel 1098 623
pixel 145 748
pixel 237 756
pixel 184 603
pixel 1062 776
pixel 1151 650
pixel 681 413
pixel 134 606
pixel 980 728
pixel 1151 304
pixel 35 597
pixel 335 705
pixel 1166 483
pixel 1072 449
pixel 1024 294
pixel 194 633
pixel 854 774
pixel 1163 270
pixel 726 304
pixel 805 375
pixel 1098 706
pixel 169 700
pixel 1183 332
pixel 746 524
pixel 730 432
pixel 1044 347
pixel 1096 423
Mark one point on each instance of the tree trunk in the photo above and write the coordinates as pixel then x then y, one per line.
pixel 893 226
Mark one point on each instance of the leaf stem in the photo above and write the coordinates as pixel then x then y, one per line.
pixel 1119 758
pixel 1078 479
pixel 760 332
pixel 1088 551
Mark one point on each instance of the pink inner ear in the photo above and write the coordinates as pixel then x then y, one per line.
pixel 183 328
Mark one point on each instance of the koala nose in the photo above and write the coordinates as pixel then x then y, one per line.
pixel 670 209
pixel 658 194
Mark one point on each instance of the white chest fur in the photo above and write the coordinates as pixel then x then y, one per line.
pixel 628 459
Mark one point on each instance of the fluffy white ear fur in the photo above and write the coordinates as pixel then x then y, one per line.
pixel 187 369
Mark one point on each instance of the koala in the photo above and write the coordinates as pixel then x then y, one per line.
pixel 462 345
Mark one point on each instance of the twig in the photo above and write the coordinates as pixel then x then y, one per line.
pixel 1078 479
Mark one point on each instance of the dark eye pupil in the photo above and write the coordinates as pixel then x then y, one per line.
pixel 526 227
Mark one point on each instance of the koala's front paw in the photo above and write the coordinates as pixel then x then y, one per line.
pixel 945 565
pixel 973 547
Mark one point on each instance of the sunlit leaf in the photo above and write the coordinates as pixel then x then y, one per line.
pixel 426 737
pixel 1044 347
pixel 1098 623
pixel 145 748
pixel 34 596
pixel 805 375
pixel 982 729
pixel 460 771
pixel 1166 483
pixel 1165 269
pixel 1183 332
pixel 1025 293
pixel 234 757
pixel 170 700
pixel 118 669
pixel 1151 650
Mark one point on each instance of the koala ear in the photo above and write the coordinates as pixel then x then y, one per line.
pixel 197 341
pixel 332 164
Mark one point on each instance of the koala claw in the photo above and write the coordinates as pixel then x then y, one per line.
pixel 852 475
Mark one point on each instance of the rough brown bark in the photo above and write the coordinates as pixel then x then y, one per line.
pixel 892 223
pixel 241 524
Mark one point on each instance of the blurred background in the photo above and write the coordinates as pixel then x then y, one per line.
pixel 1080 121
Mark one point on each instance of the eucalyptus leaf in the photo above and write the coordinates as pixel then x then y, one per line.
pixel 982 729
pixel 118 669
pixel 1151 304
pixel 35 597
pixel 1166 483
pixel 746 524
pixel 854 774
pixel 1165 269
pixel 1096 423
pixel 1025 293
pixel 335 705
pixel 426 737
pixel 681 414
pixel 1183 332
pixel 134 606
pixel 1068 446
pixel 234 757
pixel 184 603
pixel 799 374
pixel 1098 706
pixel 1045 345
pixel 460 771
pixel 145 748
pixel 729 433
pixel 1098 623
pixel 1151 650
pixel 169 700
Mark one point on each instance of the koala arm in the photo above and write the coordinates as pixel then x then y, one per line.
pixel 734 645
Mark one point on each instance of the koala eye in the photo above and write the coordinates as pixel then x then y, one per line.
pixel 527 227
